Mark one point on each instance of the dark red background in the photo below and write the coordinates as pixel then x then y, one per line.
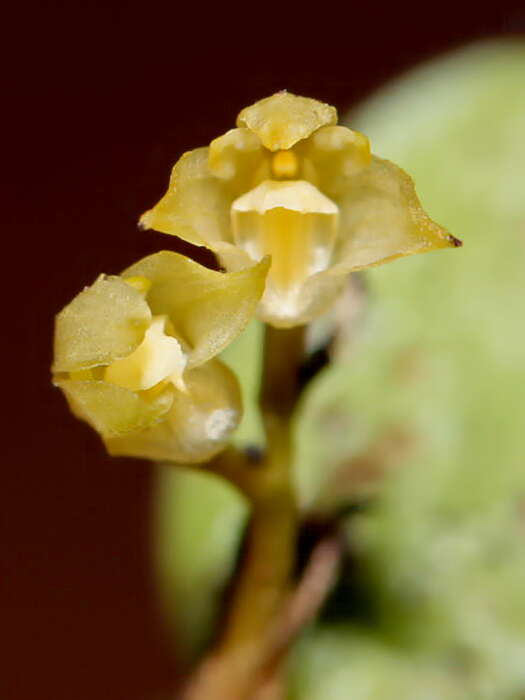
pixel 99 102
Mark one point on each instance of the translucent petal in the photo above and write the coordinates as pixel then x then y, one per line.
pixel 297 225
pixel 103 323
pixel 239 157
pixel 231 257
pixel 198 424
pixel 208 309
pixel 296 195
pixel 113 410
pixel 283 119
pixel 312 299
pixel 335 153
pixel 140 283
pixel 382 219
pixel 196 206
pixel 158 357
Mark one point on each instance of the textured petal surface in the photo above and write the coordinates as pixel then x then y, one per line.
pixel 105 322
pixel 207 308
pixel 239 158
pixel 283 119
pixel 382 219
pixel 198 424
pixel 113 410
pixel 196 206
pixel 335 153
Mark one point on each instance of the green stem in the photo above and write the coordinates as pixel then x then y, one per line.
pixel 265 576
pixel 270 554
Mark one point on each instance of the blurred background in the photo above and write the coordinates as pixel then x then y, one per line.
pixel 100 100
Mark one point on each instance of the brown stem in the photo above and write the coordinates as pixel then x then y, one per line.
pixel 303 605
pixel 305 602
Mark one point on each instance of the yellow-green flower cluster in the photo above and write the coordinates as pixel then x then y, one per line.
pixel 290 203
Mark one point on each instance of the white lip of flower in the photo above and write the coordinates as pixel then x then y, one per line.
pixel 296 224
pixel 158 358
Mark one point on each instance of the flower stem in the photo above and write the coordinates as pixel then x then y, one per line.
pixel 231 673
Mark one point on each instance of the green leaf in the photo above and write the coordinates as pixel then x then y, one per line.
pixel 244 357
pixel 441 354
pixel 197 525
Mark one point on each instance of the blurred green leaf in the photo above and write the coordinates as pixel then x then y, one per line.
pixel 340 663
pixel 442 353
pixel 198 521
pixel 244 356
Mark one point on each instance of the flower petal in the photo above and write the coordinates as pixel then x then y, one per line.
pixel 231 257
pixel 382 219
pixel 239 157
pixel 113 410
pixel 294 223
pixel 198 424
pixel 207 308
pixel 314 298
pixel 157 358
pixel 283 119
pixel 103 323
pixel 335 153
pixel 196 206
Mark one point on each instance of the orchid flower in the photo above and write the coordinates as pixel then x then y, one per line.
pixel 290 183
pixel 135 356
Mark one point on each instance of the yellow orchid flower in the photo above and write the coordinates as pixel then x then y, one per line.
pixel 290 183
pixel 134 355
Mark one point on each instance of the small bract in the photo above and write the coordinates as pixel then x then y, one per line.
pixel 290 183
pixel 135 356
